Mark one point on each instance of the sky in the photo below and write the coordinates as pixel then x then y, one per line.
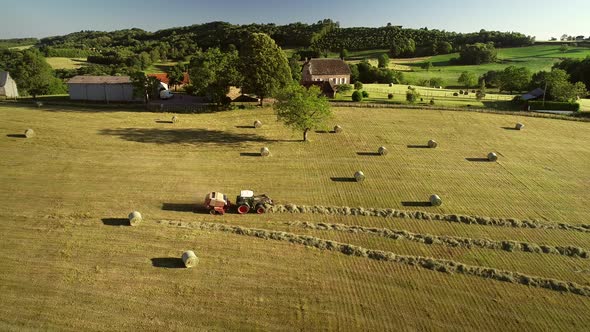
pixel 540 18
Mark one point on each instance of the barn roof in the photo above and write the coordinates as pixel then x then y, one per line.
pixel 327 87
pixel 99 80
pixel 4 77
pixel 538 92
pixel 328 67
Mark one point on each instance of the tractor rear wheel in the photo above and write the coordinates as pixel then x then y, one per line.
pixel 260 209
pixel 243 209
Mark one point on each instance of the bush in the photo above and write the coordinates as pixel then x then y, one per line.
pixel 365 94
pixel 390 96
pixel 358 85
pixel 455 94
pixel 357 96
pixel 554 106
pixel 412 95
pixel 480 95
pixel 342 88
pixel 432 101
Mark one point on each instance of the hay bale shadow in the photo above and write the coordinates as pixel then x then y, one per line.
pixel 250 154
pixel 164 121
pixel 168 262
pixel 418 147
pixel 246 127
pixel 325 132
pixel 509 128
pixel 416 204
pixel 368 153
pixel 16 135
pixel 477 160
pixel 342 179
pixel 115 221
pixel 180 207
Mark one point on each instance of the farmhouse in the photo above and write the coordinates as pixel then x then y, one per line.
pixel 335 71
pixel 101 88
pixel 163 77
pixel 7 86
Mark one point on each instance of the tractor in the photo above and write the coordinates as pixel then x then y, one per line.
pixel 216 202
pixel 247 201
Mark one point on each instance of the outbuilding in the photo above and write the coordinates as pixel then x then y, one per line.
pixel 8 87
pixel 101 88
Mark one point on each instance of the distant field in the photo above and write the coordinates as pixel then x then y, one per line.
pixel 161 67
pixel 23 47
pixel 66 63
pixel 442 97
pixel 69 263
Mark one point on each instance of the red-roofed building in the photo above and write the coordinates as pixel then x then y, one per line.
pixel 163 77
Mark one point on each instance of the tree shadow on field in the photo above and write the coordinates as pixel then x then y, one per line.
pixel 477 160
pixel 16 135
pixel 180 207
pixel 342 179
pixel 186 136
pixel 416 204
pixel 368 153
pixel 115 221
pixel 168 262
pixel 418 147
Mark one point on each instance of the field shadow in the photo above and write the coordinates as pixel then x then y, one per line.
pixel 180 207
pixel 164 121
pixel 168 262
pixel 115 221
pixel 509 128
pixel 250 154
pixel 246 127
pixel 418 147
pixel 416 204
pixel 186 136
pixel 368 153
pixel 477 160
pixel 342 179
pixel 16 135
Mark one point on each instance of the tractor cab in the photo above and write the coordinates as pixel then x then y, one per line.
pixel 247 201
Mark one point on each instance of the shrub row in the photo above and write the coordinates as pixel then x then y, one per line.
pixel 440 265
pixel 392 213
pixel 451 241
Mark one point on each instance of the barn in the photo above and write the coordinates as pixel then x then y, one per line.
pixel 7 86
pixel 334 71
pixel 101 88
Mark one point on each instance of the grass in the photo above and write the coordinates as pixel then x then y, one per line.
pixel 63 190
pixel 66 63
pixel 161 67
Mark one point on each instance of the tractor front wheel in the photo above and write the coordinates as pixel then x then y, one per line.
pixel 260 209
pixel 243 209
pixel 212 211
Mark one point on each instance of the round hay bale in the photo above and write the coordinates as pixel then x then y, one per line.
pixel 29 133
pixel 390 85
pixel 174 119
pixel 337 129
pixel 519 126
pixel 432 144
pixel 257 124
pixel 435 200
pixel 134 218
pixel 359 176
pixel 265 152
pixel 190 259
pixel 39 104
pixel 382 151
pixel 492 156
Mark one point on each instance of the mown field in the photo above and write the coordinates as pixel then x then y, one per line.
pixel 68 262
pixel 65 63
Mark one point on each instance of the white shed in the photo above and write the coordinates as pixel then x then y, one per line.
pixel 7 86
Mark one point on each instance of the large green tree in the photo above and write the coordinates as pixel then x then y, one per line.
pixel 478 53
pixel 467 79
pixel 32 73
pixel 514 78
pixel 264 66
pixel 175 74
pixel 213 72
pixel 302 109
pixel 145 87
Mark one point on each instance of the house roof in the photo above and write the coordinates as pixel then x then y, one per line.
pixel 245 99
pixel 328 67
pixel 538 92
pixel 99 80
pixel 327 87
pixel 163 77
pixel 4 76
